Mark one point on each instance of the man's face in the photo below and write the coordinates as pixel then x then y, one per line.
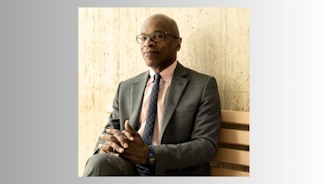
pixel 161 54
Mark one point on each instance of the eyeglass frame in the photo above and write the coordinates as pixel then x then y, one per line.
pixel 148 36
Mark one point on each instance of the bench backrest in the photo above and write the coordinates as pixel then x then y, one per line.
pixel 235 137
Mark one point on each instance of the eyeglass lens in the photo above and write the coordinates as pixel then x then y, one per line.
pixel 155 36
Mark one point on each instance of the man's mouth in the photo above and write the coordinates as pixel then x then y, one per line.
pixel 150 52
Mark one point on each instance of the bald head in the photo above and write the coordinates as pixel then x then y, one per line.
pixel 161 54
pixel 163 20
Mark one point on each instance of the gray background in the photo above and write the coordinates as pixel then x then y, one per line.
pixel 288 70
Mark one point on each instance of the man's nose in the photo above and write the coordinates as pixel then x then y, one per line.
pixel 149 42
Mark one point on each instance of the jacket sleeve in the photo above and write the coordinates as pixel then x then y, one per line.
pixel 203 144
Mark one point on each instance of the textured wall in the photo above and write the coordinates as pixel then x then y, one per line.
pixel 215 41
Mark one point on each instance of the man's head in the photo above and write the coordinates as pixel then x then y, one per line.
pixel 160 55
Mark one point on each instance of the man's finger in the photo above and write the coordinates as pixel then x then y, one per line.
pixel 130 129
pixel 113 153
pixel 109 145
pixel 118 136
pixel 108 152
pixel 113 131
pixel 128 135
pixel 108 137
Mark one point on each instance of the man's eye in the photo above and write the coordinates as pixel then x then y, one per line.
pixel 157 37
pixel 143 38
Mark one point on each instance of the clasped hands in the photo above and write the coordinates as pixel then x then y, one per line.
pixel 127 144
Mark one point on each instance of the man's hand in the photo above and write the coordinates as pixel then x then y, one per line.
pixel 137 151
pixel 106 148
pixel 116 141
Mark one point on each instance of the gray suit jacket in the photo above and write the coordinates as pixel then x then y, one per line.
pixel 191 120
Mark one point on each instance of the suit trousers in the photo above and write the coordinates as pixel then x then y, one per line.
pixel 108 165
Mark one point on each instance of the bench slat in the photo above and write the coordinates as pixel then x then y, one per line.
pixel 232 156
pixel 215 171
pixel 240 137
pixel 235 117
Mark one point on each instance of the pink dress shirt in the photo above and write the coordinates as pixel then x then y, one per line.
pixel 164 85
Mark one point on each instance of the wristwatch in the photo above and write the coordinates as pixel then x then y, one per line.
pixel 151 157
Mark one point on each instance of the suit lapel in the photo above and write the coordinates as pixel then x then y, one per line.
pixel 178 84
pixel 138 88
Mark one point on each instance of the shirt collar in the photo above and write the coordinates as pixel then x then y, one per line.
pixel 166 74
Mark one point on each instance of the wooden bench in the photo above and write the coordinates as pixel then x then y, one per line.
pixel 228 136
pixel 234 137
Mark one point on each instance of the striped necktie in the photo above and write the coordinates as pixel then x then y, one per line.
pixel 152 111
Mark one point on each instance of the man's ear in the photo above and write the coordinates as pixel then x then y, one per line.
pixel 179 40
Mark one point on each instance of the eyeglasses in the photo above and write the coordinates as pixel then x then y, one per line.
pixel 156 36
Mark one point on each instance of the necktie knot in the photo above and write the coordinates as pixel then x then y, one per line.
pixel 157 76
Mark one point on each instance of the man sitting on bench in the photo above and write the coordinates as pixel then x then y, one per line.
pixel 165 121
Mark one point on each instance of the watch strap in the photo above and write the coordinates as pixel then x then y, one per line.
pixel 152 153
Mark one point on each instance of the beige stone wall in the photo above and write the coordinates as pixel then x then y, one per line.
pixel 215 41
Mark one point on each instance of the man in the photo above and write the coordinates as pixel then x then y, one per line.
pixel 165 121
